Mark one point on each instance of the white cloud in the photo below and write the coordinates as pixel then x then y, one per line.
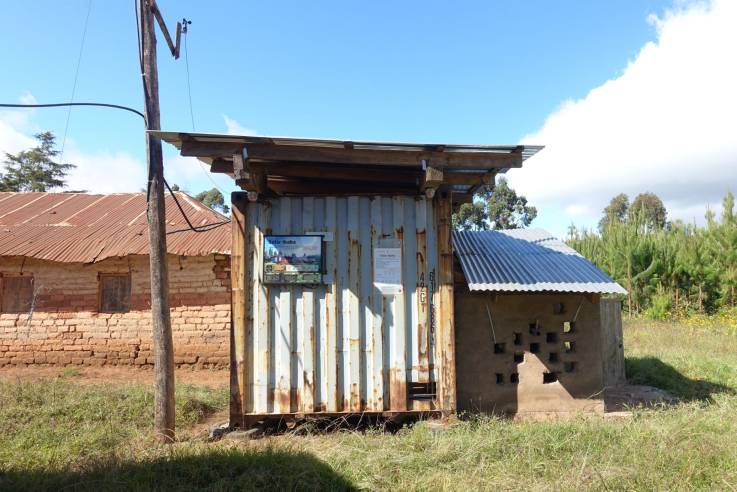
pixel 104 172
pixel 235 128
pixel 14 127
pixel 666 125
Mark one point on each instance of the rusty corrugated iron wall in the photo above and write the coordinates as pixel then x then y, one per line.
pixel 342 346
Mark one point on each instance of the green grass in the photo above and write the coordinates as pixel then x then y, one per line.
pixel 58 435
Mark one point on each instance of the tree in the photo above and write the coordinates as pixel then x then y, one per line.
pixel 497 208
pixel 471 216
pixel 616 211
pixel 35 169
pixel 649 210
pixel 213 199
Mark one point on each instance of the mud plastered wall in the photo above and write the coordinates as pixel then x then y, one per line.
pixel 528 353
pixel 66 327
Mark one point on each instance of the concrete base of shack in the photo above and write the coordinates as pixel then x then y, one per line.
pixel 249 421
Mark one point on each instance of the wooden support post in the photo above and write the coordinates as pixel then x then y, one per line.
pixel 240 304
pixel 445 332
pixel 161 322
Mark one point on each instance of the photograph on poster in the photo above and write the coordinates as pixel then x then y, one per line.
pixel 292 259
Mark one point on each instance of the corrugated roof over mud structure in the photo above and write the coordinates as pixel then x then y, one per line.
pixel 85 228
pixel 527 260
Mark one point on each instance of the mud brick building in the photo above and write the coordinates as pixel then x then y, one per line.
pixel 536 336
pixel 74 280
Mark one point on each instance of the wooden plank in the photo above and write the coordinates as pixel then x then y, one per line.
pixel 194 148
pixel 488 180
pixel 421 358
pixel 239 328
pixel 336 171
pixel 612 343
pixel 221 166
pixel 382 157
pixel 250 278
pixel 261 312
pixel 298 153
pixel 432 179
pixel 331 187
pixel 445 329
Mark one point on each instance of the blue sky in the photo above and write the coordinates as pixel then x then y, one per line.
pixel 463 72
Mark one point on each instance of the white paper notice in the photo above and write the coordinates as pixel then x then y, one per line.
pixel 388 270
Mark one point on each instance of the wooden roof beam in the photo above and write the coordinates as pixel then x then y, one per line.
pixel 333 155
pixel 351 173
pixel 304 186
pixel 194 148
pixel 487 179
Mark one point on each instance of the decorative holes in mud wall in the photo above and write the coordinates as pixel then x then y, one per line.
pixel 534 329
pixel 549 377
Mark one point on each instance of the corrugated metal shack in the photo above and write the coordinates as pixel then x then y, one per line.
pixel 373 330
pixel 535 335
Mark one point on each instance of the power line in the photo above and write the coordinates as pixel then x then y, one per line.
pixel 185 30
pixel 58 105
pixel 76 77
pixel 203 227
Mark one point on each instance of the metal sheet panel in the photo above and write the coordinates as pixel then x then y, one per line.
pixel 343 346
pixel 85 228
pixel 527 260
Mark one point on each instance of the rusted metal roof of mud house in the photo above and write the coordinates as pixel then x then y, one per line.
pixel 86 228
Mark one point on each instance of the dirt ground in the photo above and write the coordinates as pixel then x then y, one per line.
pixel 92 375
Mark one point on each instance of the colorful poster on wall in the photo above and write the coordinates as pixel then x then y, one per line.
pixel 292 259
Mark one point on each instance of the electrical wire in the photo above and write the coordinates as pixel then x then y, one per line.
pixel 185 30
pixel 76 77
pixel 203 227
pixel 57 105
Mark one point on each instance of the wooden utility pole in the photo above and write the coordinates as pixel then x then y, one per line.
pixel 160 317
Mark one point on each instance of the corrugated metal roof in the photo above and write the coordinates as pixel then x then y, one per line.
pixel 527 260
pixel 81 227
pixel 175 138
